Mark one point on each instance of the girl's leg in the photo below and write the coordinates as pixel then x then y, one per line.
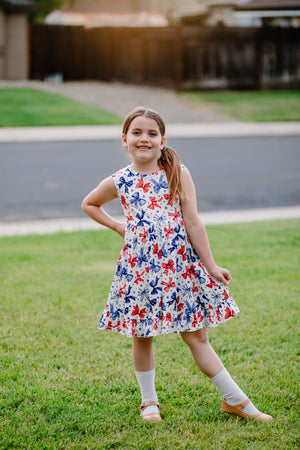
pixel 142 353
pixel 204 355
pixel 210 364
pixel 143 360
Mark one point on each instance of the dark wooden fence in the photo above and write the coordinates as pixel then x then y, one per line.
pixel 186 57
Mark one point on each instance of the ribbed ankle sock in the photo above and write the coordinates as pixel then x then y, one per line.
pixel 146 382
pixel 231 392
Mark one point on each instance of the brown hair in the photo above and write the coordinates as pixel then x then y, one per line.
pixel 169 160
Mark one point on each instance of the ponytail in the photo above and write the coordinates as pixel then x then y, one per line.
pixel 170 162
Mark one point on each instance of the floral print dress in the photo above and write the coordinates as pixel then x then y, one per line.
pixel 160 285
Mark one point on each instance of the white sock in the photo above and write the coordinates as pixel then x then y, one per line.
pixel 147 387
pixel 231 392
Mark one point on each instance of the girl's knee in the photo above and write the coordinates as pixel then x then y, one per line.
pixel 142 341
pixel 195 337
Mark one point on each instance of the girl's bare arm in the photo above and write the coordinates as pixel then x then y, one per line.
pixel 93 202
pixel 197 232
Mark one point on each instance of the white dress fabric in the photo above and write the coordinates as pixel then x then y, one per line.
pixel 160 285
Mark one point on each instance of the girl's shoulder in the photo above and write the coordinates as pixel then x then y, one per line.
pixel 124 171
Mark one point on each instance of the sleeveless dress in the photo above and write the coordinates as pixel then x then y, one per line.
pixel 160 285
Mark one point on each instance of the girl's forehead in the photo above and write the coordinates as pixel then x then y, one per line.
pixel 144 122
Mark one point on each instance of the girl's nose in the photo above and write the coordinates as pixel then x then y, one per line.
pixel 144 138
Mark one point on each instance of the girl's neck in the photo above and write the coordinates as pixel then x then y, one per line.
pixel 145 168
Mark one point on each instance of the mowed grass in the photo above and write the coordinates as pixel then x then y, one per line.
pixel 66 385
pixel 32 107
pixel 250 106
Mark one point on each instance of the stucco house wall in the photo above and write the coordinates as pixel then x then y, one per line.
pixel 14 39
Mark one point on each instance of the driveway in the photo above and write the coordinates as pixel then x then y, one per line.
pixel 120 98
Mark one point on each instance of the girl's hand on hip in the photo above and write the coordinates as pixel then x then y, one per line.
pixel 222 275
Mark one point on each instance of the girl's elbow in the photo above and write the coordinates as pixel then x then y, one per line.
pixel 84 206
pixel 191 221
pixel 194 224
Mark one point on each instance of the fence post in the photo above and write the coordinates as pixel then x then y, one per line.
pixel 108 39
pixel 142 58
pixel 178 58
pixel 259 50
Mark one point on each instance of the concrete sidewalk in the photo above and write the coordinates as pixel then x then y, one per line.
pixel 82 224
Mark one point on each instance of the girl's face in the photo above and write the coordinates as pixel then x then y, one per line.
pixel 144 141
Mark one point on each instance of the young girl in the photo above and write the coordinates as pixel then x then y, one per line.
pixel 166 278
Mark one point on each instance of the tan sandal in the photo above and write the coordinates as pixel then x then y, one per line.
pixel 151 417
pixel 237 410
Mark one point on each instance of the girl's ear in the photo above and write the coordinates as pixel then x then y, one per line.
pixel 163 142
pixel 124 140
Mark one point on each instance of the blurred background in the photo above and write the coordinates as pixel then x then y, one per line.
pixel 195 44
pixel 223 62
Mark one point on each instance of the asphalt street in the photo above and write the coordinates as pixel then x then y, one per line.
pixel 47 180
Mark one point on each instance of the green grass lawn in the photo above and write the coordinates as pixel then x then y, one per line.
pixel 31 107
pixel 66 385
pixel 251 106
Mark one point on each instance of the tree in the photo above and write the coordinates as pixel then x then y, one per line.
pixel 44 7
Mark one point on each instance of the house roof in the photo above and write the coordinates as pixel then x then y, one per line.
pixel 265 5
pixel 17 6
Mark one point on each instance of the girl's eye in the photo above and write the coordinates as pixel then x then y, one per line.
pixel 153 134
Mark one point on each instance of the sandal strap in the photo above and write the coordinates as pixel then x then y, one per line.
pixel 234 409
pixel 145 404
